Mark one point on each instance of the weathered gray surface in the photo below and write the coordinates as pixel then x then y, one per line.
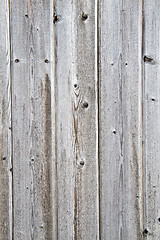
pixel 151 118
pixel 76 123
pixel 5 126
pixel 32 116
pixel 120 119
pixel 79 120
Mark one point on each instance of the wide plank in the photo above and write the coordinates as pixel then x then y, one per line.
pixel 151 114
pixel 120 119
pixel 34 171
pixel 76 119
pixel 5 125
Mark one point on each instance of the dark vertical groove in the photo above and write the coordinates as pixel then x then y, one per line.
pixel 142 122
pixel 75 210
pixel 10 49
pixel 98 113
pixel 55 139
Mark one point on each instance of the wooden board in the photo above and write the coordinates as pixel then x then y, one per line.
pixel 151 122
pixel 120 71
pixel 5 126
pixel 76 120
pixel 79 120
pixel 33 120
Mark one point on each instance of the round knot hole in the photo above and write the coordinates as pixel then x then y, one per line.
pixel 145 231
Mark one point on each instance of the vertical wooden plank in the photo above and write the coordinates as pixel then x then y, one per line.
pixel 76 119
pixel 5 126
pixel 151 118
pixel 33 119
pixel 120 119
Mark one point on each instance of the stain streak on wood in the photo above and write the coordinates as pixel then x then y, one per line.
pixel 48 144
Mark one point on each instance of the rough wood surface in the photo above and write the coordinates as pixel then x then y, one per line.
pixel 76 120
pixel 5 126
pixel 151 118
pixel 79 120
pixel 120 33
pixel 33 133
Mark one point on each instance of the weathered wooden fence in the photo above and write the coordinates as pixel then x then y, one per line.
pixel 79 120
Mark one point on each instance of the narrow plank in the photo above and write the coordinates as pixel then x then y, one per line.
pixel 120 33
pixel 5 126
pixel 151 118
pixel 33 119
pixel 76 120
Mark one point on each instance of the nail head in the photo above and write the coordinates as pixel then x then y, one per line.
pixel 82 163
pixel 84 16
pixel 85 105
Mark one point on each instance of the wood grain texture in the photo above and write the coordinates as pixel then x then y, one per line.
pixel 120 120
pixel 33 119
pixel 151 118
pixel 5 126
pixel 79 120
pixel 76 120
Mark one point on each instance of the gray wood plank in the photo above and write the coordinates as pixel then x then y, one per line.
pixel 151 118
pixel 33 120
pixel 120 32
pixel 76 120
pixel 5 126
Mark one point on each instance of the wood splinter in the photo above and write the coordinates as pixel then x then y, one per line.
pixel 148 59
